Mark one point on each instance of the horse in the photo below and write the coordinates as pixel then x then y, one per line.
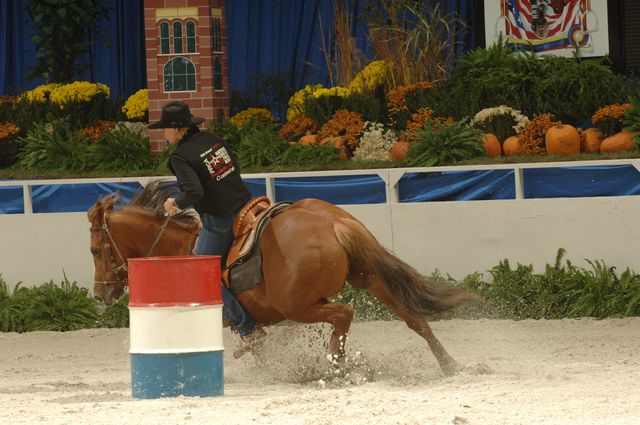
pixel 308 253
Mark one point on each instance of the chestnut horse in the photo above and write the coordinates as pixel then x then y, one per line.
pixel 308 252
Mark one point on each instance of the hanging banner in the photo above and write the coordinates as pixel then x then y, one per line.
pixel 549 26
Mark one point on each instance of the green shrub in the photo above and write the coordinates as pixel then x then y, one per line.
pixel 64 307
pixel 571 88
pixel 372 106
pixel 367 307
pixel 117 315
pixel 161 162
pixel 298 155
pixel 259 147
pixel 444 145
pixel 53 146
pixel 120 149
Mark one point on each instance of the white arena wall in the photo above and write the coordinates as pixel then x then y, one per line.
pixel 456 238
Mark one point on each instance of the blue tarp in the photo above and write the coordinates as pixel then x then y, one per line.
pixel 557 182
pixel 343 190
pixel 575 182
pixel 11 200
pixel 457 186
pixel 77 197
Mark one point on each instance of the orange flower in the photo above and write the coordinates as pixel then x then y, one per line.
pixel 615 111
pixel 420 118
pixel 94 132
pixel 346 125
pixel 532 135
pixel 8 129
pixel 396 98
pixel 297 127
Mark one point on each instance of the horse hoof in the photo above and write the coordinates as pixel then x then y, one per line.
pixel 451 369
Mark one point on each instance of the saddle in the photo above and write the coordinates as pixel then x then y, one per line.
pixel 243 268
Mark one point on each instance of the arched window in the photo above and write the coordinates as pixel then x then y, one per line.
pixel 179 75
pixel 191 37
pixel 217 35
pixel 217 74
pixel 177 37
pixel 165 44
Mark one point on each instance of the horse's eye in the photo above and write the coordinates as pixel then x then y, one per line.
pixel 95 252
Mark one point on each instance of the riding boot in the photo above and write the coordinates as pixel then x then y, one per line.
pixel 250 342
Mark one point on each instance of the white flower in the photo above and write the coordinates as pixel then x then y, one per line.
pixel 487 115
pixel 375 143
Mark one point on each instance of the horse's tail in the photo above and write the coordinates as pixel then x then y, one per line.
pixel 411 289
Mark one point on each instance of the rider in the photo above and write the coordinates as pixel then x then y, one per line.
pixel 209 179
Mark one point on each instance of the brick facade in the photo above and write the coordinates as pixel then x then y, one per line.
pixel 205 100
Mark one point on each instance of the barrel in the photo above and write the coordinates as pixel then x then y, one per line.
pixel 175 325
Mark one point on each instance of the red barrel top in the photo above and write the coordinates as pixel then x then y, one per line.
pixel 174 281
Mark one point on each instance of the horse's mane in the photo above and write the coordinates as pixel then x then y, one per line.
pixel 151 201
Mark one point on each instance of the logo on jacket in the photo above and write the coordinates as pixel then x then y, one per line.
pixel 219 162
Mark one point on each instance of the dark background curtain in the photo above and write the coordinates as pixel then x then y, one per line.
pixel 265 37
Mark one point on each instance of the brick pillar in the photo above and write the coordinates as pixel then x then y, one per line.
pixel 206 99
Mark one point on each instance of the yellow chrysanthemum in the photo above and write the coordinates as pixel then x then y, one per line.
pixel 78 91
pixel 243 117
pixel 371 76
pixel 39 94
pixel 296 102
pixel 136 105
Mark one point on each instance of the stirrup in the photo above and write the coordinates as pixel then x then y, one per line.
pixel 249 343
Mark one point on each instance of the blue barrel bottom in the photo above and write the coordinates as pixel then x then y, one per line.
pixel 177 374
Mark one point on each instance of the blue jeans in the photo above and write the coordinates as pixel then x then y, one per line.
pixel 216 239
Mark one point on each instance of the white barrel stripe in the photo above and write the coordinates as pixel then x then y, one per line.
pixel 178 329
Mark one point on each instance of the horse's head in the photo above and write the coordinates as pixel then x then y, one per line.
pixel 139 229
pixel 110 277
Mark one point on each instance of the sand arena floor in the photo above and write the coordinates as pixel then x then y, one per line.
pixel 516 372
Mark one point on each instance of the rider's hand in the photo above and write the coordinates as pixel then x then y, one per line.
pixel 170 206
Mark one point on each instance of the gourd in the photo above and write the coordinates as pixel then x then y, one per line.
pixel 309 139
pixel 562 139
pixel 590 140
pixel 399 150
pixel 511 146
pixel 619 142
pixel 491 145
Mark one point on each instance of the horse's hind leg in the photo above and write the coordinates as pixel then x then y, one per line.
pixel 339 315
pixel 417 323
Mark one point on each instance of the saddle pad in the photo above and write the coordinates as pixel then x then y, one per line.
pixel 246 273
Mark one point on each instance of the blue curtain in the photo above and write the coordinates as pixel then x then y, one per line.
pixel 264 37
pixel 116 59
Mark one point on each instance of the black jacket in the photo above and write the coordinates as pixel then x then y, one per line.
pixel 208 174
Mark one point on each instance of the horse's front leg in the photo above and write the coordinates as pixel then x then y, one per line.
pixel 338 315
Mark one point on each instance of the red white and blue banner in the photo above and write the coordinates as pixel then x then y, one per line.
pixel 557 27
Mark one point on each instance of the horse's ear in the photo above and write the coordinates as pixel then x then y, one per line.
pixel 94 210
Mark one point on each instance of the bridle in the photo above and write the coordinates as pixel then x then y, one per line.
pixel 116 269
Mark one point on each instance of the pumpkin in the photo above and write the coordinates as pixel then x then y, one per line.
pixel 491 145
pixel 309 139
pixel 590 140
pixel 399 150
pixel 619 142
pixel 338 143
pixel 511 146
pixel 562 139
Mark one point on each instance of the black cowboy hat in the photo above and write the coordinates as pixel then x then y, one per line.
pixel 176 114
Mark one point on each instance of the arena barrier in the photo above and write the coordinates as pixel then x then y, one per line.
pixel 458 220
pixel 175 326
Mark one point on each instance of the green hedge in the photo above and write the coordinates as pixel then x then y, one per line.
pixel 561 291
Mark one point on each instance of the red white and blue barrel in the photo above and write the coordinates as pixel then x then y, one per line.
pixel 175 322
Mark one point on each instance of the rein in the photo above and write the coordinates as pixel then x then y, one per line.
pixel 117 269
